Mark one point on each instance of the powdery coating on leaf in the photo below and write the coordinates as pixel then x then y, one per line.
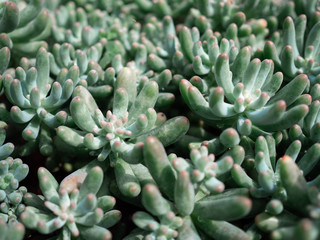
pixel 73 182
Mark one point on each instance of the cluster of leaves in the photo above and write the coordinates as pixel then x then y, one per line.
pixel 203 116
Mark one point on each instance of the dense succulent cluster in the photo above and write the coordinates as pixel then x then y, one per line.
pixel 12 171
pixel 160 120
pixel 79 212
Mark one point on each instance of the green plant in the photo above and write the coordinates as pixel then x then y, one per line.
pixel 194 119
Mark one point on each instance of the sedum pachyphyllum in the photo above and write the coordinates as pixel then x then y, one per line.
pixel 305 220
pixel 27 25
pixel 121 131
pixel 12 230
pixel 194 119
pixel 307 131
pixel 77 213
pixel 188 190
pixel 12 171
pixel 9 16
pixel 247 90
pixel 91 75
pixel 36 98
pixel 5 58
pixel 299 52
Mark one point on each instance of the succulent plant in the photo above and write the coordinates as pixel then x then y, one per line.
pixel 36 98
pixel 77 26
pixel 91 75
pixel 299 49
pixel 133 118
pixel 9 16
pixel 302 217
pixel 12 230
pixel 201 117
pixel 77 213
pixel 251 91
pixel 190 193
pixel 306 7
pixel 5 58
pixel 161 8
pixel 157 205
pixel 307 130
pixel 12 171
pixel 29 25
